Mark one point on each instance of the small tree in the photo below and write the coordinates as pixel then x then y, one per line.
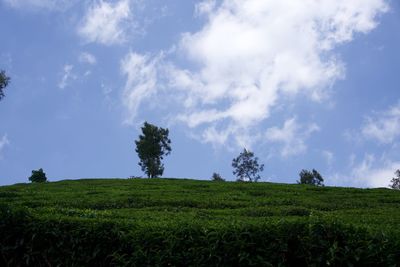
pixel 152 146
pixel 310 177
pixel 246 167
pixel 217 178
pixel 38 176
pixel 395 182
pixel 4 80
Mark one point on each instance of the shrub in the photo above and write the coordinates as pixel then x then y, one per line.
pixel 217 178
pixel 27 241
pixel 310 177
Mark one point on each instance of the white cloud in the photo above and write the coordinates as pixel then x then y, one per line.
pixel 106 90
pixel 205 7
pixel 383 127
pixel 106 22
pixel 328 156
pixel 141 73
pixel 67 76
pixel 250 53
pixel 292 136
pixel 374 173
pixel 51 5
pixel 3 143
pixel 370 172
pixel 88 58
pixel 211 135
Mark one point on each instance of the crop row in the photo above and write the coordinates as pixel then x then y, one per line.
pixel 28 240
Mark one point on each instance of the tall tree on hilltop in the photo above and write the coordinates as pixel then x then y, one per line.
pixel 395 182
pixel 246 167
pixel 38 176
pixel 153 144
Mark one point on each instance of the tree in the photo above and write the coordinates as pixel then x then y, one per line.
pixel 246 166
pixel 310 177
pixel 151 147
pixel 395 182
pixel 38 176
pixel 4 81
pixel 217 178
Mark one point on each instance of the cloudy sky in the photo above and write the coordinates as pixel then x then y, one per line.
pixel 304 84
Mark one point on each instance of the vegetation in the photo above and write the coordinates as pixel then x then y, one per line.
pixel 217 178
pixel 4 81
pixel 168 222
pixel 310 177
pixel 38 176
pixel 246 167
pixel 395 182
pixel 151 147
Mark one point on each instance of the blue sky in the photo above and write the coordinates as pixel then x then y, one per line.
pixel 303 84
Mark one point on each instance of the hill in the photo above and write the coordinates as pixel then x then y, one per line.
pixel 189 222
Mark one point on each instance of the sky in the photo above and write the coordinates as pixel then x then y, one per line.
pixel 303 84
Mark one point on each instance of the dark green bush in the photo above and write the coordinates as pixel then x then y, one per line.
pixel 296 211
pixel 216 177
pixel 161 222
pixel 310 177
pixel 27 241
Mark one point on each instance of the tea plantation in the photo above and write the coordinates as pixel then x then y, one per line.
pixel 171 222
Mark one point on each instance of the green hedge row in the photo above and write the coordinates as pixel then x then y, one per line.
pixel 29 241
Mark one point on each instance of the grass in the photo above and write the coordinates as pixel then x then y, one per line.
pixel 147 205
pixel 163 201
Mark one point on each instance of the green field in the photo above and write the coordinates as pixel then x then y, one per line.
pixel 189 222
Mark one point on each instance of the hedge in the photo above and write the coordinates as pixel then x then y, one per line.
pixel 30 241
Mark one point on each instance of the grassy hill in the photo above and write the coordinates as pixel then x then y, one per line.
pixel 189 222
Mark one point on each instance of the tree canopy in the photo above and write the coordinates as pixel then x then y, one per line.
pixel 38 176
pixel 216 177
pixel 153 144
pixel 395 182
pixel 4 81
pixel 246 166
pixel 310 177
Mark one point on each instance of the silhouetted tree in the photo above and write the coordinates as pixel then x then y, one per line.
pixel 395 182
pixel 217 178
pixel 246 167
pixel 4 80
pixel 38 176
pixel 310 177
pixel 152 146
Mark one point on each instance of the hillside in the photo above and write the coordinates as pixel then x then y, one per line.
pixel 113 213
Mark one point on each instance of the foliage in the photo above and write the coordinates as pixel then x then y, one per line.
pixel 161 222
pixel 310 177
pixel 246 166
pixel 4 81
pixel 151 147
pixel 25 243
pixel 217 177
pixel 38 176
pixel 395 182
